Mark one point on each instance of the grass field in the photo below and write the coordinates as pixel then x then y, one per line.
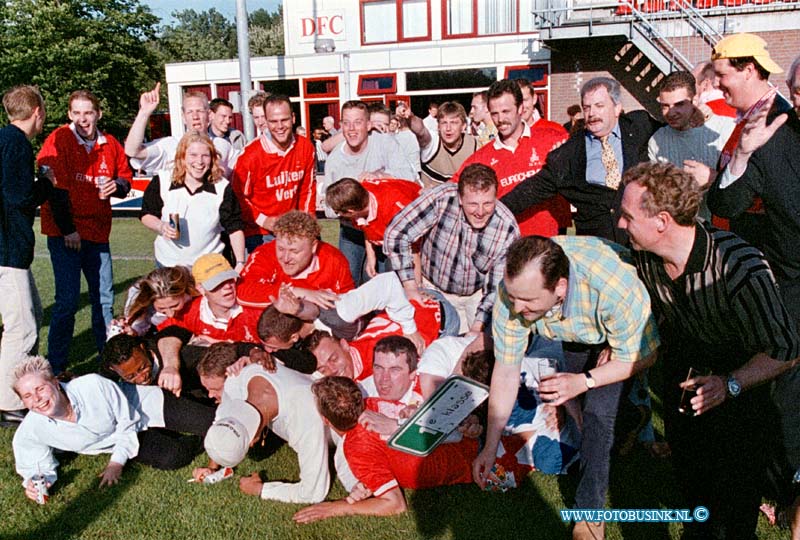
pixel 149 504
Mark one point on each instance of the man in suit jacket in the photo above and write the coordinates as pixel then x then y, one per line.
pixel 587 169
pixel 760 159
pixel 765 163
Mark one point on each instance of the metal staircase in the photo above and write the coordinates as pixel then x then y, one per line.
pixel 672 34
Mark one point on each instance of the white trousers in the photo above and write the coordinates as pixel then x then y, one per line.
pixel 466 306
pixel 21 311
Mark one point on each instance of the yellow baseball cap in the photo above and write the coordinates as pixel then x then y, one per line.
pixel 742 46
pixel 211 270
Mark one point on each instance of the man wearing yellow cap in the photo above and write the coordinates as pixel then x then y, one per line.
pixel 763 163
pixel 214 316
pixel 742 66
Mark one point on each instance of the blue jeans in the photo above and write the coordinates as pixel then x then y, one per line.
pixel 351 244
pixel 253 241
pixel 599 407
pixel 94 260
pixel 452 322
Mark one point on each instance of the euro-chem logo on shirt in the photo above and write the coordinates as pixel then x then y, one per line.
pixel 517 177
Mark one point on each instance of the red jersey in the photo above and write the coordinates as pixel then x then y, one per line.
pixel 75 170
pixel 382 469
pixel 545 123
pixel 270 182
pixel 427 316
pixel 514 166
pixel 198 319
pixel 262 276
pixel 388 197
pixel 721 108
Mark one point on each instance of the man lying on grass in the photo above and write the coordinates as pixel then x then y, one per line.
pixel 280 400
pixel 382 471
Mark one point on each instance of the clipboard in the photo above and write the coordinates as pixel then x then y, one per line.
pixel 439 415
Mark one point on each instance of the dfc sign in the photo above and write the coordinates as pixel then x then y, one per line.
pixel 322 26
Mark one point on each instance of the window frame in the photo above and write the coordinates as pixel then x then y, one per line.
pixel 377 91
pixel 399 19
pixel 334 94
pixel 474 33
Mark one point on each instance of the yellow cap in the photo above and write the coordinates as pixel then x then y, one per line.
pixel 212 269
pixel 742 46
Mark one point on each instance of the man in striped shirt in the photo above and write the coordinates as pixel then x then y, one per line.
pixel 464 234
pixel 579 290
pixel 722 314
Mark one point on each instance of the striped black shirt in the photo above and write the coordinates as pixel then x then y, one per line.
pixel 725 307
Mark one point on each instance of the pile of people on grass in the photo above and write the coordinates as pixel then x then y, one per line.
pixel 452 259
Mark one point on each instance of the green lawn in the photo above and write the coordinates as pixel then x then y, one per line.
pixel 154 505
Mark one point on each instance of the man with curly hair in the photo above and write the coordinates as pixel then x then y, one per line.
pixel 722 314
pixel 315 270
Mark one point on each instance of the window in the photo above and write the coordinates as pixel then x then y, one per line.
pixel 536 74
pixel 317 110
pixel 464 18
pixel 415 19
pixel 452 78
pixel 497 17
pixel 390 21
pixel 285 87
pixel 383 83
pixel 459 17
pixel 322 87
pixel 542 102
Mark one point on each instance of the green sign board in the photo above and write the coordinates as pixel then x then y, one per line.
pixel 439 415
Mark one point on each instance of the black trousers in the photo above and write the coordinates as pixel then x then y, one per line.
pixel 721 459
pixel 180 440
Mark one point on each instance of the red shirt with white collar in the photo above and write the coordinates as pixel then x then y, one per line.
pixel 387 198
pixel 270 182
pixel 75 169
pixel 427 316
pixel 515 165
pixel 382 469
pixel 241 324
pixel 262 276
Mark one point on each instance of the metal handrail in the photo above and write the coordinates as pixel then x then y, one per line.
pixel 643 23
pixel 696 19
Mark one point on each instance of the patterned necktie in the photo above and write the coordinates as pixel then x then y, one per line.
pixel 609 159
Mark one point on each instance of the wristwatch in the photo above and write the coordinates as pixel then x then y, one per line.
pixel 733 387
pixel 590 382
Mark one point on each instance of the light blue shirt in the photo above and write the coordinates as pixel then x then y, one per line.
pixel 595 170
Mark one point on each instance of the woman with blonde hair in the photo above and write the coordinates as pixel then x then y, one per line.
pixel 191 205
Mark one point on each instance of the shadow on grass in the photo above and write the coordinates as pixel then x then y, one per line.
pixel 265 449
pixel 465 512
pixel 639 480
pixel 80 512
